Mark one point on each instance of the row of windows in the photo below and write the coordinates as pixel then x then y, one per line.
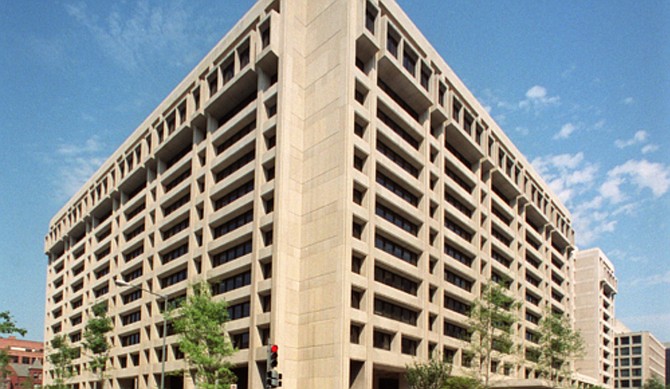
pixel 177 180
pixel 232 283
pixel 174 254
pixel 174 230
pixel 458 255
pixel 395 312
pixel 236 137
pixel 174 278
pixel 236 165
pixel 457 280
pixel 396 281
pixel 396 250
pixel 234 224
pixel 177 204
pixel 397 189
pixel 396 219
pixel 231 253
pixel 234 195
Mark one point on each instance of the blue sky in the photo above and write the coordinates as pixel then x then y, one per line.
pixel 582 89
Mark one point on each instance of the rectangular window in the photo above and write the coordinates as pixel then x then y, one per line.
pixel 457 280
pixel 177 204
pixel 397 128
pixel 455 331
pixel 455 305
pixel 177 228
pixel 396 281
pixel 396 219
pixel 241 133
pixel 382 340
pixel 239 311
pixel 397 159
pixel 175 253
pixel 231 253
pixel 240 341
pixel 458 255
pixel 131 339
pixel 234 224
pixel 232 283
pixel 235 194
pixel 177 180
pixel 236 165
pixel 174 278
pixel 396 250
pixel 396 189
pixel 395 312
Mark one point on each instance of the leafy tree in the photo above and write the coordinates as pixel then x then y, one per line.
pixel 60 358
pixel 653 383
pixel 7 326
pixel 428 375
pixel 492 321
pixel 560 344
pixel 95 340
pixel 462 383
pixel 200 328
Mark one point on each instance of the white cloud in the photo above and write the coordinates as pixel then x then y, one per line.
pixel 599 124
pixel 537 97
pixel 148 37
pixel 639 137
pixel 75 164
pixel 650 148
pixel 641 174
pixel 654 279
pixel 565 131
pixel 628 100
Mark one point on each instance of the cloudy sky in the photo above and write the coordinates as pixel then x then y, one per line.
pixel 582 89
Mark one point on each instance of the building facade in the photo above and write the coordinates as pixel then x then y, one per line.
pixel 595 288
pixel 25 361
pixel 639 357
pixel 331 177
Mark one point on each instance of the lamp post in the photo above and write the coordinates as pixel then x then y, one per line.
pixel 125 284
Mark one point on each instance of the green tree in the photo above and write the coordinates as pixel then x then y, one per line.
pixel 7 326
pixel 492 320
pixel 653 383
pixel 199 324
pixel 28 383
pixel 462 383
pixel 560 345
pixel 60 358
pixel 96 342
pixel 428 375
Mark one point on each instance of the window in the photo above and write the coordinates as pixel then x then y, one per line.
pixel 455 305
pixel 456 331
pixel 396 281
pixel 457 280
pixel 238 311
pixel 177 228
pixel 131 317
pixel 409 346
pixel 637 350
pixel 234 224
pixel 231 254
pixel 232 283
pixel 235 165
pixel 356 298
pixel 396 250
pixel 175 253
pixel 133 254
pixel 392 43
pixel 241 133
pixel 240 341
pixel 174 278
pixel 177 180
pixel 397 128
pixel 396 189
pixel 397 159
pixel 234 195
pixel 131 339
pixel 355 334
pixel 177 204
pixel 395 312
pixel 409 60
pixel 458 255
pixel 396 219
pixel 382 340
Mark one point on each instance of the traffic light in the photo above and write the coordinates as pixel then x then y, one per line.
pixel 273 379
pixel 273 356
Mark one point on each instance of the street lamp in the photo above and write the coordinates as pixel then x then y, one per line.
pixel 124 284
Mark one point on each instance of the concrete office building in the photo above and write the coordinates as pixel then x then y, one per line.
pixel 667 363
pixel 639 357
pixel 595 287
pixel 333 179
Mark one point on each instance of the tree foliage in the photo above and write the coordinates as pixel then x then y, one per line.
pixel 60 358
pixel 560 345
pixel 492 320
pixel 654 383
pixel 199 324
pixel 428 375
pixel 95 339
pixel 462 383
pixel 7 326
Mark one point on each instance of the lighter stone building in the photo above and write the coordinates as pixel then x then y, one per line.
pixel 595 287
pixel 639 357
pixel 333 179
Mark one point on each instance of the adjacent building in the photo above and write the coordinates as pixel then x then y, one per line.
pixel 25 362
pixel 639 357
pixel 667 363
pixel 595 288
pixel 329 175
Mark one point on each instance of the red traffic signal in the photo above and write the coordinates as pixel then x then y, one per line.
pixel 274 348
